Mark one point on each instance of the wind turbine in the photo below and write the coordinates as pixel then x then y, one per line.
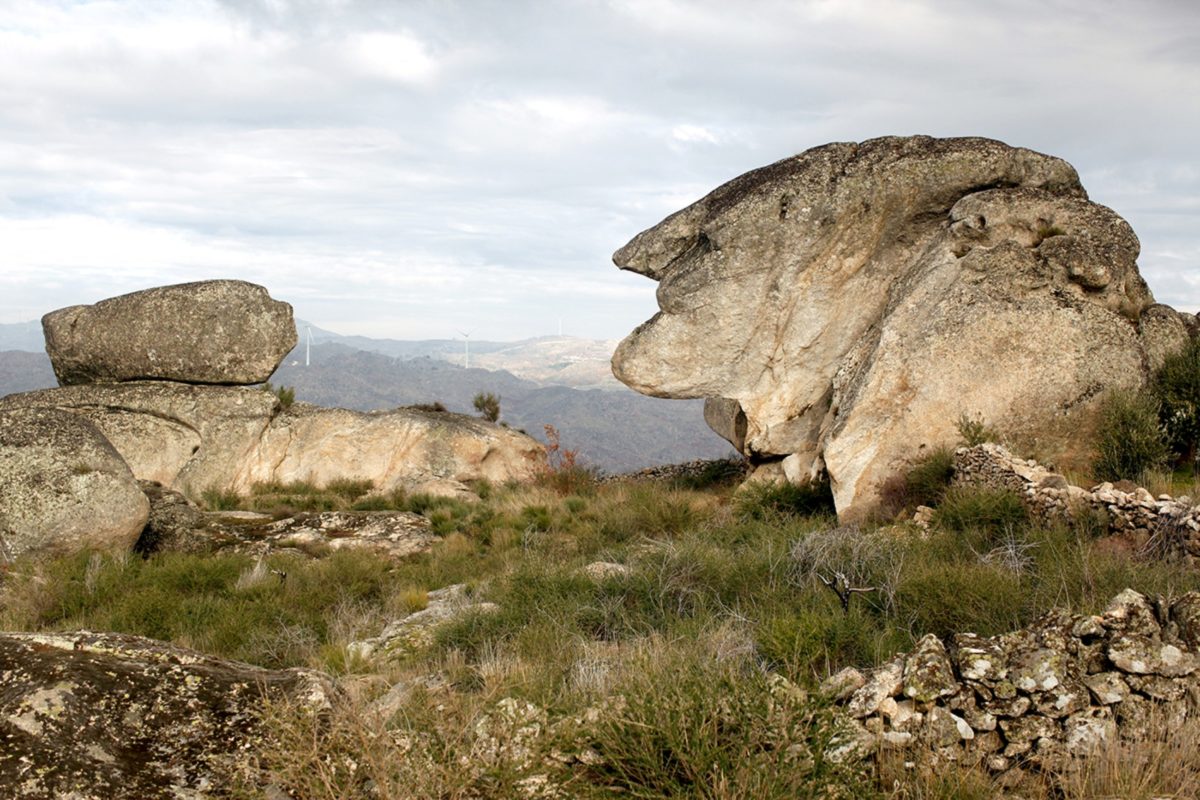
pixel 466 349
pixel 308 347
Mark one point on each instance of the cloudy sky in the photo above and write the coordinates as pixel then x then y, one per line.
pixel 413 169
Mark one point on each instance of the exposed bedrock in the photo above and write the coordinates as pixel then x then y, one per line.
pixel 193 438
pixel 844 307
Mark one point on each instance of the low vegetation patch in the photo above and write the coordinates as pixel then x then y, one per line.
pixel 686 666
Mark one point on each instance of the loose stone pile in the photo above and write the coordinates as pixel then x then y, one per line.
pixel 1064 686
pixel 1165 525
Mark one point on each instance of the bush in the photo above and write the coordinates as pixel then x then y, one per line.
pixel 1177 388
pixel 974 509
pixel 974 431
pixel 1131 442
pixel 285 394
pixel 700 730
pixel 488 406
pixel 215 499
pixel 762 500
pixel 924 484
pixel 435 406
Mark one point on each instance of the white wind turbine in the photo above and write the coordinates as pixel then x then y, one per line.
pixel 308 347
pixel 466 349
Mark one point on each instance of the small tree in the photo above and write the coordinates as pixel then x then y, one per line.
pixel 1131 441
pixel 286 394
pixel 488 406
pixel 1177 387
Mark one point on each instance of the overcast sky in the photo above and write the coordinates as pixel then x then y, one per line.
pixel 413 169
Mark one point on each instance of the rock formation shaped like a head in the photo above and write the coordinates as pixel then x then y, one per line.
pixel 841 309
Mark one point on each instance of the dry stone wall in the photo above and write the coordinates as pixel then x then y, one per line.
pixel 1163 525
pixel 1064 686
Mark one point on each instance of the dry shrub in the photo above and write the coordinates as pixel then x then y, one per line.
pixel 564 472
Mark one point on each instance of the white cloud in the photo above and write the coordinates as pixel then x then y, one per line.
pixel 397 166
pixel 693 133
pixel 396 56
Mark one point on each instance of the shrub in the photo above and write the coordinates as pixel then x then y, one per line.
pixel 435 406
pixel 1177 388
pixel 214 499
pixel 285 394
pixel 563 472
pixel 488 406
pixel 924 484
pixel 988 513
pixel 974 431
pixel 763 500
pixel 712 474
pixel 689 729
pixel 1130 440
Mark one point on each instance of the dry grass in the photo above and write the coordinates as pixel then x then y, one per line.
pixel 1163 763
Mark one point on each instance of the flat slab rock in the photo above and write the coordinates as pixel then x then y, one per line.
pixel 102 716
pixel 177 525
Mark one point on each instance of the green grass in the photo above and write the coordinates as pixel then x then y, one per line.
pixel 723 589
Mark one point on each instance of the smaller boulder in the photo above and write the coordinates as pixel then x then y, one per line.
pixel 224 332
pixel 65 487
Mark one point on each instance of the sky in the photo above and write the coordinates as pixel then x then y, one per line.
pixel 420 169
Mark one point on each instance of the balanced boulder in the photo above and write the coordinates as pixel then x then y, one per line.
pixel 221 331
pixel 844 308
pixel 65 487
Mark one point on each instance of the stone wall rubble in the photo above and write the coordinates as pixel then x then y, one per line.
pixel 1163 525
pixel 1064 686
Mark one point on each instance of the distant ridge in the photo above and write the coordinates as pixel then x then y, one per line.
pixel 616 430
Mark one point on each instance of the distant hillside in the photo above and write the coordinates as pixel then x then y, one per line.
pixel 25 336
pixel 555 360
pixel 616 430
pixel 22 371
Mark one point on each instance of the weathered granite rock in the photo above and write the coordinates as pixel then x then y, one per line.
pixel 101 716
pixel 192 438
pixel 64 486
pixel 176 525
pixel 223 331
pixel 417 630
pixel 843 300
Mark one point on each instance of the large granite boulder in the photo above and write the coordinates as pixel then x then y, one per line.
pixel 843 308
pixel 224 332
pixel 103 716
pixel 64 486
pixel 192 438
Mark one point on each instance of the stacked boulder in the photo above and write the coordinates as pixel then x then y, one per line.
pixel 167 377
pixel 1170 526
pixel 1065 686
